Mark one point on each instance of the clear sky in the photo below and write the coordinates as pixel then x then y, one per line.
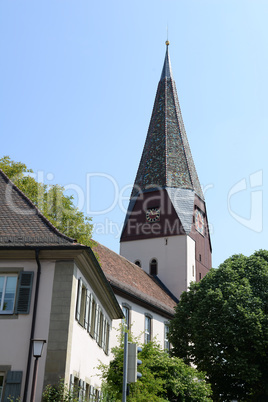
pixel 77 85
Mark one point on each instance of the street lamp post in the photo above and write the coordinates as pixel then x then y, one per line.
pixel 37 352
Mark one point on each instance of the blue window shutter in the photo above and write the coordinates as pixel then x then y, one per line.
pixel 24 292
pixel 78 303
pixel 12 385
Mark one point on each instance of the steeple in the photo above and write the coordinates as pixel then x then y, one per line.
pixel 166 160
pixel 166 230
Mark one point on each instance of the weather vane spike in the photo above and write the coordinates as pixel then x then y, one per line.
pixel 167 41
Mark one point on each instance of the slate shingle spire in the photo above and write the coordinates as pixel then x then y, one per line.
pixel 166 160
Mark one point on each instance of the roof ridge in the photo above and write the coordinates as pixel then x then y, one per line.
pixel 33 206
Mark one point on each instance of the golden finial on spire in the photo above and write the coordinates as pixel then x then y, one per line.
pixel 167 41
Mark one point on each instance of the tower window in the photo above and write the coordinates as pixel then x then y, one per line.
pixel 200 257
pixel 153 267
pixel 138 263
pixel 200 276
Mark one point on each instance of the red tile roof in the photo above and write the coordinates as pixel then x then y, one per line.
pixel 130 279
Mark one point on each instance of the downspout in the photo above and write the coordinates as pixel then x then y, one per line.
pixel 26 386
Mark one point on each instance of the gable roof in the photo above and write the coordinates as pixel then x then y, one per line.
pixel 130 280
pixel 166 160
pixel 22 224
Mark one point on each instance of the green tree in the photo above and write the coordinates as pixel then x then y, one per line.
pixel 164 378
pixel 57 207
pixel 221 326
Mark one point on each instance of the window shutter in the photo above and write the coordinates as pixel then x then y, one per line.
pixel 13 385
pixel 80 390
pixel 97 323
pixel 24 292
pixel 71 383
pixel 107 338
pixel 86 321
pixel 93 320
pixel 84 388
pixel 102 330
pixel 89 313
pixel 78 303
pixel 104 334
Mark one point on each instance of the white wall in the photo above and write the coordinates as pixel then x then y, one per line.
pixel 175 256
pixel 86 354
pixel 15 332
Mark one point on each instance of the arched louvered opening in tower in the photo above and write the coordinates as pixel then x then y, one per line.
pixel 153 267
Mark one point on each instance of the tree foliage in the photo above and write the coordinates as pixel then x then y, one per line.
pixel 57 207
pixel 221 325
pixel 164 378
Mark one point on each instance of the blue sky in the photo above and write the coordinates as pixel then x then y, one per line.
pixel 77 86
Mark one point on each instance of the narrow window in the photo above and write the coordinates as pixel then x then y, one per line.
pixel 8 286
pixel 87 393
pixel 126 320
pixel 76 387
pixel 153 267
pixel 199 275
pixel 2 376
pixel 200 257
pixel 101 329
pixel 166 341
pixel 148 329
pixel 138 263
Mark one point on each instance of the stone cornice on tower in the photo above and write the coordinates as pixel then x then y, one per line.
pixel 166 160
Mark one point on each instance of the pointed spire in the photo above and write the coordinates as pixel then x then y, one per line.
pixel 166 159
pixel 166 72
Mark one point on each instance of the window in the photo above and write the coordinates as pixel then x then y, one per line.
pixel 100 342
pixel 83 306
pixel 126 311
pixel 2 377
pixel 200 276
pixel 166 341
pixel 200 258
pixel 8 285
pixel 138 263
pixel 148 329
pixel 15 292
pixel 87 392
pixel 92 394
pixel 106 336
pixel 153 267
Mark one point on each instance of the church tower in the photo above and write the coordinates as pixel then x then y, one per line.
pixel 166 227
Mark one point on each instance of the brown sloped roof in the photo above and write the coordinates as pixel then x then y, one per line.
pixel 130 279
pixel 22 224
